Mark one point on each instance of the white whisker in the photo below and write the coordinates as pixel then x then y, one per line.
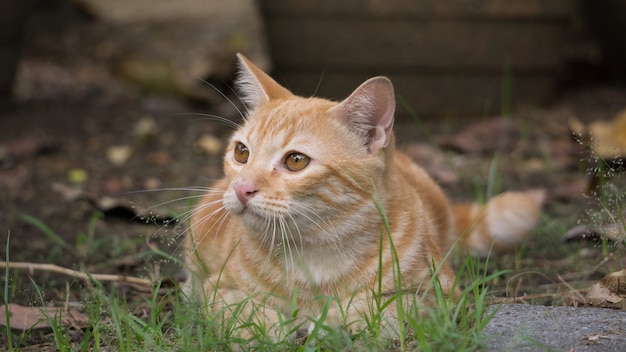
pixel 301 243
pixel 172 201
pixel 185 216
pixel 212 117
pixel 204 219
pixel 243 102
pixel 264 233
pixel 225 97
pixel 190 189
pixel 286 246
pixel 273 231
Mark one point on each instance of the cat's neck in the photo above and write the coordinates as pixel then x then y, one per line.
pixel 322 262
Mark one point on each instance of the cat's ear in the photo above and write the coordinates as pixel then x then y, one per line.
pixel 369 110
pixel 256 86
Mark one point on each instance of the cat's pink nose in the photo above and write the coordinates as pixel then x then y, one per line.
pixel 244 191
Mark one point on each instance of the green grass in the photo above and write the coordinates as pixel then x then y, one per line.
pixel 164 320
pixel 7 315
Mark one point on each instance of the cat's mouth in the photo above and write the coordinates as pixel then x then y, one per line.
pixel 254 220
pixel 248 211
pixel 255 213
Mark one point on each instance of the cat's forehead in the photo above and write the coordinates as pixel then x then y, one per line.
pixel 288 120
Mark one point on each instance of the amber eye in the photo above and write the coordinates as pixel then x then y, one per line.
pixel 296 162
pixel 241 153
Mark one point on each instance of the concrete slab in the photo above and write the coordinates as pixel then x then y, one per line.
pixel 521 327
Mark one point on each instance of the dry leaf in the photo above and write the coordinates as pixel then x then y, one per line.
pixel 606 138
pixel 567 191
pixel 609 292
pixel 118 155
pixel 14 183
pixel 595 337
pixel 492 135
pixel 146 128
pixel 77 175
pixel 614 231
pixel 209 144
pixel 26 318
pixel 110 206
pixel 28 146
pixel 434 162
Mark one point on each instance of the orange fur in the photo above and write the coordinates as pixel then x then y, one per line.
pixel 318 232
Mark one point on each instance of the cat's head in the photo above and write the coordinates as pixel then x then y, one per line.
pixel 307 161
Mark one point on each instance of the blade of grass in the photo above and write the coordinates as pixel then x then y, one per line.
pixel 493 173
pixel 61 339
pixel 47 231
pixel 7 314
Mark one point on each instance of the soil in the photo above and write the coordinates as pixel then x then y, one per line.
pixel 78 136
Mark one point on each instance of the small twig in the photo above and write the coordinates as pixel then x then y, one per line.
pixel 576 294
pixel 74 273
pixel 519 284
pixel 588 273
pixel 525 298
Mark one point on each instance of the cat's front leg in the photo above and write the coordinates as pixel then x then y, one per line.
pixel 247 316
pixel 361 313
pixel 333 313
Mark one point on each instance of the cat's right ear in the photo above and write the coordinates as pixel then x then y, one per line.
pixel 369 110
pixel 256 86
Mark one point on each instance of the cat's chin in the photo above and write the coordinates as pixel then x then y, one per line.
pixel 248 215
pixel 252 220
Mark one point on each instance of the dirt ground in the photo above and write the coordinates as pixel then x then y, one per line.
pixel 102 163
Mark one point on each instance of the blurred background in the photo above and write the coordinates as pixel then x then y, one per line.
pixel 110 109
pixel 455 56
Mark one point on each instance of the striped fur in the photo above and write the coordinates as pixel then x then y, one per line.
pixel 318 232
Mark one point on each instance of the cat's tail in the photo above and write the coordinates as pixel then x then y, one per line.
pixel 500 225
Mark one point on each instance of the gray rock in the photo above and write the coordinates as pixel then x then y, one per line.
pixel 521 327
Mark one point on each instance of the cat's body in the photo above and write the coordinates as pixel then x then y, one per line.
pixel 317 203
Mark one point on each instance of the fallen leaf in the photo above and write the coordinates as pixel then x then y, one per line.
pixel 495 134
pixel 609 292
pixel 209 144
pixel 606 138
pixel 160 158
pixel 118 155
pixel 434 161
pixel 595 337
pixel 28 146
pixel 146 128
pixel 567 191
pixel 14 183
pixel 152 183
pixel 110 206
pixel 27 318
pixel 69 193
pixel 614 231
pixel 117 185
pixel 77 175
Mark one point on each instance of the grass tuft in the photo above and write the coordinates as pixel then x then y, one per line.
pixel 165 320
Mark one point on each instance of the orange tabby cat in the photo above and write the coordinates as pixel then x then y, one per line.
pixel 314 193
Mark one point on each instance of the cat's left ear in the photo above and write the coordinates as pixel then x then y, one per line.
pixel 256 86
pixel 370 110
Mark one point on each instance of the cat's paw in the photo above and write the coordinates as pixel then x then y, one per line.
pixel 302 334
pixel 307 334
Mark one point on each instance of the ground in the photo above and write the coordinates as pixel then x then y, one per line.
pixel 104 164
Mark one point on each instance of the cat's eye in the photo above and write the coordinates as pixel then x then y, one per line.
pixel 241 153
pixel 296 162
